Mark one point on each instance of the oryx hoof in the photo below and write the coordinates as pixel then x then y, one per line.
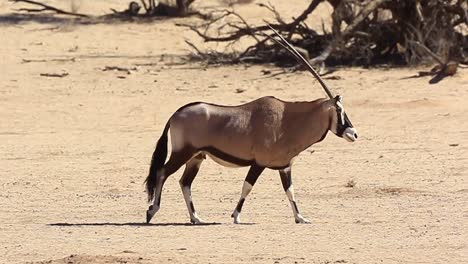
pixel 150 213
pixel 236 216
pixel 148 216
pixel 301 220
pixel 197 221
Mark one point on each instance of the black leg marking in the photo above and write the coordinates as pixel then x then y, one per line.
pixel 191 169
pixel 286 178
pixel 253 174
pixel 249 182
pixel 148 216
pixel 240 204
pixel 295 206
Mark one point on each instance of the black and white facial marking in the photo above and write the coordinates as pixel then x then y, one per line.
pixel 341 125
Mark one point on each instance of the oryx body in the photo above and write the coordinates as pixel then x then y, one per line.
pixel 264 133
pixel 268 132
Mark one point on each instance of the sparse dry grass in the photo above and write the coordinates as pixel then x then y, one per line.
pixel 351 183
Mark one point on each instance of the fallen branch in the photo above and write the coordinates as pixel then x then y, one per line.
pixel 56 75
pixel 440 71
pixel 428 51
pixel 46 8
pixel 60 60
pixel 117 68
pixel 251 31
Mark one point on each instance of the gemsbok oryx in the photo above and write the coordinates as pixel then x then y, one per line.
pixel 264 133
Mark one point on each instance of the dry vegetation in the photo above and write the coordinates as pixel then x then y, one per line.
pixel 83 102
pixel 362 33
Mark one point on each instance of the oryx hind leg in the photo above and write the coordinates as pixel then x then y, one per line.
pixel 249 182
pixel 286 180
pixel 177 160
pixel 190 172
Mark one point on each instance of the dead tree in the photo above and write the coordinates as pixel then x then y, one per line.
pixel 363 32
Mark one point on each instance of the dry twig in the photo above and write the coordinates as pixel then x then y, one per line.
pixel 45 8
pixel 56 75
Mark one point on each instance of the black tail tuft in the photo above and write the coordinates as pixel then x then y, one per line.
pixel 157 163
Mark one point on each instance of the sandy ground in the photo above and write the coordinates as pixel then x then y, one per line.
pixel 75 151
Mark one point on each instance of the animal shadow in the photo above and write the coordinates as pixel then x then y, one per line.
pixel 130 224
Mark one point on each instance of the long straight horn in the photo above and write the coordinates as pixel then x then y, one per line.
pixel 287 46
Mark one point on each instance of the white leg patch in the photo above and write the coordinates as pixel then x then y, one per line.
pixel 297 216
pixel 246 188
pixel 290 193
pixel 188 201
pixel 236 216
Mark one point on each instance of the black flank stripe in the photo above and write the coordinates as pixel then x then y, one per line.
pixel 227 157
pixel 235 160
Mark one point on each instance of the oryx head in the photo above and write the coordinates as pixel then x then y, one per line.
pixel 340 126
pixel 340 123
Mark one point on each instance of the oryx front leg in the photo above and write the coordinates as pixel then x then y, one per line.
pixel 191 170
pixel 249 182
pixel 286 180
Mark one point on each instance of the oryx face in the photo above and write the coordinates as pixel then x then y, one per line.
pixel 341 125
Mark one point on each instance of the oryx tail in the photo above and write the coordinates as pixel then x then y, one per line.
pixel 157 162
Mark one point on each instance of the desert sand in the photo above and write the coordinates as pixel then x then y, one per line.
pixel 75 151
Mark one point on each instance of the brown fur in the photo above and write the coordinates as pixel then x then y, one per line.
pixel 268 131
pixel 264 133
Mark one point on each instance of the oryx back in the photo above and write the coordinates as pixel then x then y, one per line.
pixel 266 131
